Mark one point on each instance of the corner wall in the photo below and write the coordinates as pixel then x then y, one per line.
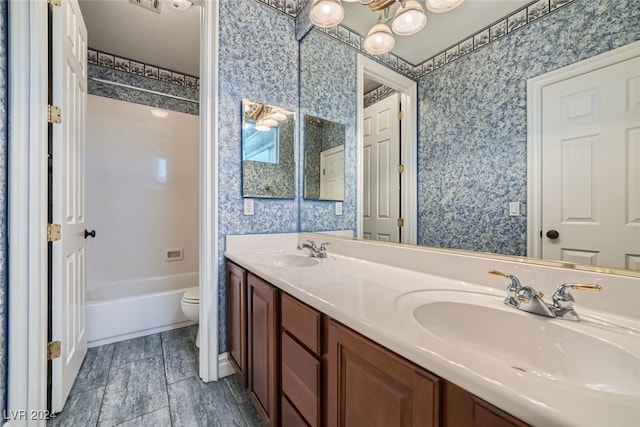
pixel 262 66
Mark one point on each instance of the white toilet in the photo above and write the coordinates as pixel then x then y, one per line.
pixel 191 307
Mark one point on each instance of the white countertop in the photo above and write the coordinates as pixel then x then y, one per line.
pixel 377 300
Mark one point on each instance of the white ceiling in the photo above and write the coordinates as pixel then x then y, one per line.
pixel 171 39
pixel 442 30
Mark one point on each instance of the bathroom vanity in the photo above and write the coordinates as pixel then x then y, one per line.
pixel 372 336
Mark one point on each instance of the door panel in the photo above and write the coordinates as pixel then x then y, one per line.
pixel 591 157
pixel 69 51
pixel 381 155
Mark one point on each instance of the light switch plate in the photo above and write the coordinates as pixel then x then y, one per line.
pixel 338 208
pixel 514 208
pixel 248 206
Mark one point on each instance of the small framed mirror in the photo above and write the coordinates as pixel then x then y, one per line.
pixel 268 165
pixel 323 159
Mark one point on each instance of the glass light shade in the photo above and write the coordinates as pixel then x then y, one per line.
pixel 379 39
pixel 277 115
pixel 268 121
pixel 262 127
pixel 409 19
pixel 326 13
pixel 440 6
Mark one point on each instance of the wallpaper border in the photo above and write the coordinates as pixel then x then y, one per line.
pixel 137 68
pixel 522 17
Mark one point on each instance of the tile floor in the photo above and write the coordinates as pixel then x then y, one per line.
pixel 153 381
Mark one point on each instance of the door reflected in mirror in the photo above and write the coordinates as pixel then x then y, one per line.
pixel 268 166
pixel 323 159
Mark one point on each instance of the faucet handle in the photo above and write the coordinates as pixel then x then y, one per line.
pixel 313 244
pixel 514 283
pixel 323 246
pixel 562 297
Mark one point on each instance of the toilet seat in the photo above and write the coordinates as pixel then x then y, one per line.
pixel 191 296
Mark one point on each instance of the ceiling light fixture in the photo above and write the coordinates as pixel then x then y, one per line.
pixel 181 5
pixel 407 18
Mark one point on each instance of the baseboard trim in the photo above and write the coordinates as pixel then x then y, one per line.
pixel 225 368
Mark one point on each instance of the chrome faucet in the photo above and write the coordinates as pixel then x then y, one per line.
pixel 314 251
pixel 527 299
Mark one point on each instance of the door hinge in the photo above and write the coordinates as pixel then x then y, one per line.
pixel 54 232
pixel 400 222
pixel 54 114
pixel 55 2
pixel 400 115
pixel 400 168
pixel 53 350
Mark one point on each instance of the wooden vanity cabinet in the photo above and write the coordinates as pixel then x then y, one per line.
pixel 237 319
pixel 462 409
pixel 263 348
pixel 370 386
pixel 304 369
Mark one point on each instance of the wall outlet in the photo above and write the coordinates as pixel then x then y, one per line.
pixel 248 206
pixel 338 208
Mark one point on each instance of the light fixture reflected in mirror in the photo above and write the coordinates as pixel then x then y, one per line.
pixel 407 18
pixel 441 6
pixel 379 40
pixel 326 13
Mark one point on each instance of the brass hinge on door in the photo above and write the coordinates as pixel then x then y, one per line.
pixel 400 115
pixel 400 222
pixel 54 232
pixel 53 350
pixel 54 114
pixel 400 168
pixel 55 2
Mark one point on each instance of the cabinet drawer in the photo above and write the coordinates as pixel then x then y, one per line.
pixel 302 322
pixel 301 379
pixel 290 418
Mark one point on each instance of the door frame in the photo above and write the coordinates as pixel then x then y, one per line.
pixel 408 90
pixel 535 86
pixel 27 204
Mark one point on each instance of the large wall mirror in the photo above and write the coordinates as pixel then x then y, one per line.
pixel 268 165
pixel 472 162
pixel 323 159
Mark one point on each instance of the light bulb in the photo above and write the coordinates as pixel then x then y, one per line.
pixel 379 39
pixel 326 13
pixel 262 127
pixel 409 19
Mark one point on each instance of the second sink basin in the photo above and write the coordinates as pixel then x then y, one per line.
pixel 575 353
pixel 279 259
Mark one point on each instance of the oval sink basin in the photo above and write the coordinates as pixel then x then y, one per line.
pixel 574 353
pixel 286 260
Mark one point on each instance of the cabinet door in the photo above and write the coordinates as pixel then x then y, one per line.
pixel 263 345
pixel 237 319
pixel 370 386
pixel 463 409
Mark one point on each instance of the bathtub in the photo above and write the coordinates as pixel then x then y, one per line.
pixel 133 308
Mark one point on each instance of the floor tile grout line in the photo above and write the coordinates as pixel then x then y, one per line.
pixel 166 380
pixel 104 390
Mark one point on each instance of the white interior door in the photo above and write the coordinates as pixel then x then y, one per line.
pixel 591 158
pixel 332 173
pixel 381 181
pixel 69 57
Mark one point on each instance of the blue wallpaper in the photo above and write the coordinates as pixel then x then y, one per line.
pixel 328 90
pixel 3 204
pixel 472 124
pixel 258 60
